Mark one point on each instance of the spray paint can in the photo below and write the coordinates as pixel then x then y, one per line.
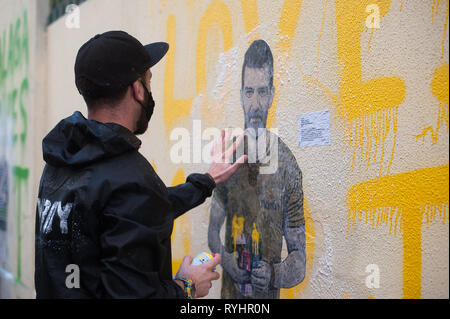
pixel 202 258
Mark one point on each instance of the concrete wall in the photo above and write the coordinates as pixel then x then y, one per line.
pixel 375 195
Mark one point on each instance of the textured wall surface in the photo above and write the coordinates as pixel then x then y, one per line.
pixel 376 200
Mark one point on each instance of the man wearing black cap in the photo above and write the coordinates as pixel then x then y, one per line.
pixel 104 218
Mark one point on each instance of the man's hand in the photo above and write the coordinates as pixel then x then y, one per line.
pixel 201 275
pixel 261 276
pixel 221 168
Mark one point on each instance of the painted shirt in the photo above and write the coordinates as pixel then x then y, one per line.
pixel 258 208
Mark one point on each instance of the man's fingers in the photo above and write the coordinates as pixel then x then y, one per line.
pixel 219 144
pixel 232 149
pixel 213 262
pixel 243 159
pixel 214 275
pixel 187 260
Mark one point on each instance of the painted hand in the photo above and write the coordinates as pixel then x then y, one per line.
pixel 261 275
pixel 229 264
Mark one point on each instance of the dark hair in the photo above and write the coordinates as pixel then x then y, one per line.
pixel 258 56
pixel 102 95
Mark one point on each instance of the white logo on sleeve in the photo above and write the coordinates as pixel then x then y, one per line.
pixel 47 211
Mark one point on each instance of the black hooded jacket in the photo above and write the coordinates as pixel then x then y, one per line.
pixel 104 218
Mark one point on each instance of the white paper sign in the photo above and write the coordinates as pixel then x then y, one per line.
pixel 314 128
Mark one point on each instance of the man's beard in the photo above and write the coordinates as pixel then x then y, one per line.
pixel 146 112
pixel 141 124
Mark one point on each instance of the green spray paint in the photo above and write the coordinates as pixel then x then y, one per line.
pixel 20 179
pixel 14 94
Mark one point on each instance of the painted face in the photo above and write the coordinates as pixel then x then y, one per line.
pixel 256 97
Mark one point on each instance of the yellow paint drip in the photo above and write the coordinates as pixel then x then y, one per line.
pixel 403 200
pixel 369 109
pixel 444 36
pixel 440 89
pixel 435 11
pixel 237 229
pixel 255 241
pixel 431 212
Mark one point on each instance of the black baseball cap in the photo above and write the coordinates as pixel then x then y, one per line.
pixel 113 60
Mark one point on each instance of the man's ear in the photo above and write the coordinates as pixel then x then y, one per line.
pixel 137 91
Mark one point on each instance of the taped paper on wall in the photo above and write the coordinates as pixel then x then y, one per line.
pixel 314 128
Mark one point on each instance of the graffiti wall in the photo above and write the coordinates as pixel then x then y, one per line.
pixel 347 98
pixel 17 141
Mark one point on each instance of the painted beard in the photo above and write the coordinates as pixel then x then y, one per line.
pixel 255 120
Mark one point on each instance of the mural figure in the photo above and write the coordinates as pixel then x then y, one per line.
pixel 260 209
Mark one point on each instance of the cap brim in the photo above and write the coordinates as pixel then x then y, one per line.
pixel 156 51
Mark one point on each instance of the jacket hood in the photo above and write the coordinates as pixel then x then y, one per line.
pixel 78 141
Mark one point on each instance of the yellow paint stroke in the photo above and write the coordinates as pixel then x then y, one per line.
pixel 320 36
pixel 237 229
pixel 310 235
pixel 181 225
pixel 250 13
pixel 216 17
pixel 403 199
pixel 255 241
pixel 435 10
pixel 401 5
pixel 439 88
pixel 173 109
pixel 444 36
pixel 217 13
pixel 286 30
pixel 367 108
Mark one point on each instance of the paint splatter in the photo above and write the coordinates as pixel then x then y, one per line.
pixel 403 200
pixel 439 88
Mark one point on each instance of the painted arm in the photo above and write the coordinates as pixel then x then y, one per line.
pixel 216 220
pixel 291 271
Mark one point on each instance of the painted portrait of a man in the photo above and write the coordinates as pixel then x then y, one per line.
pixel 260 209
